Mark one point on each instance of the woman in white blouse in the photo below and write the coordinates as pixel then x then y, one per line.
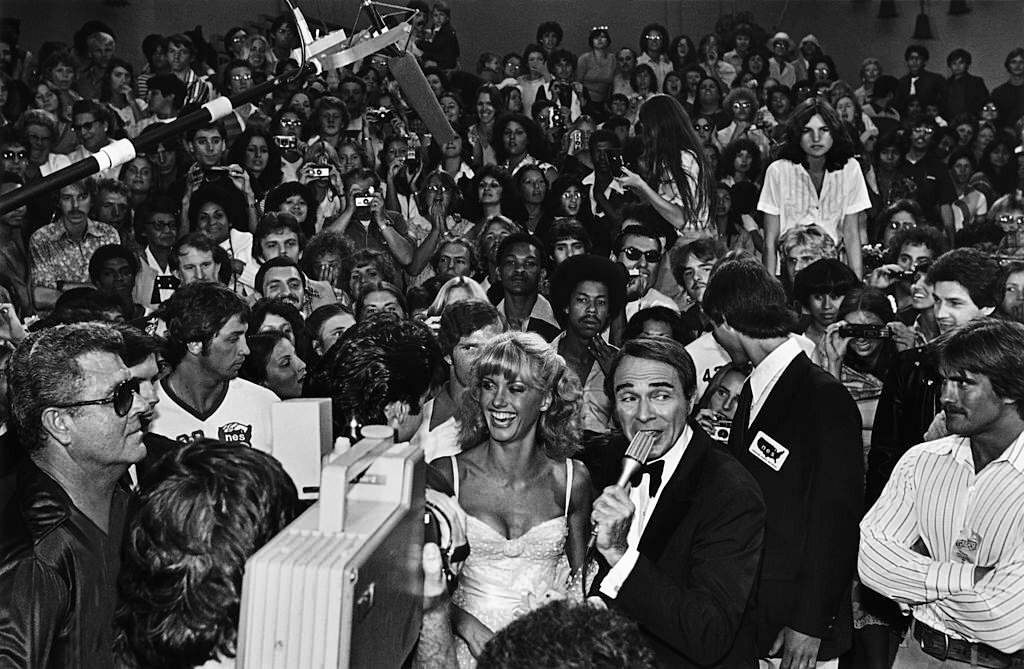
pixel 816 180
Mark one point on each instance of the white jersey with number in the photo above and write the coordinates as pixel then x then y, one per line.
pixel 242 416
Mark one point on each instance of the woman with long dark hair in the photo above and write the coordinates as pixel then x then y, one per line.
pixel 258 155
pixel 673 177
pixel 815 180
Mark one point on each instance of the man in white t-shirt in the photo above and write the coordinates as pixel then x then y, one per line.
pixel 203 396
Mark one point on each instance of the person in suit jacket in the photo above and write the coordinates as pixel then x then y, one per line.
pixel 681 547
pixel 929 87
pixel 797 431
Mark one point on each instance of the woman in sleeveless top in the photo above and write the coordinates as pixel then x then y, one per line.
pixel 527 502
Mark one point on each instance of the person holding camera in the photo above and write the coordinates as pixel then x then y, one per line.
pixel 366 223
pixel 858 348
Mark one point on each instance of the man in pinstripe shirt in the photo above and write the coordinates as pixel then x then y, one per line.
pixel 946 537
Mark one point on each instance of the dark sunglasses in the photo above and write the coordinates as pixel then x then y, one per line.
pixel 14 155
pixel 633 254
pixel 122 398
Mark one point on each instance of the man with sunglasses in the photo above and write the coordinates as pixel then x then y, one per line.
pixel 13 152
pixel 639 250
pixel 203 396
pixel 79 415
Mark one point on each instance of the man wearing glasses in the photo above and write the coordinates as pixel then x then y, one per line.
pixel 79 414
pixel 91 126
pixel 237 79
pixel 639 250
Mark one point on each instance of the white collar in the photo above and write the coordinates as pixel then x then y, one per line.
pixel 772 367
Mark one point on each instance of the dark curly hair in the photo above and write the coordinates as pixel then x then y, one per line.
pixel 205 508
pixel 527 357
pixel 379 360
pixel 563 634
pixel 196 312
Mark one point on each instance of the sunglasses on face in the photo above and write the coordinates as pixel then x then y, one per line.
pixel 14 155
pixel 634 254
pixel 121 399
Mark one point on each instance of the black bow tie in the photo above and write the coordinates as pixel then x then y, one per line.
pixel 655 470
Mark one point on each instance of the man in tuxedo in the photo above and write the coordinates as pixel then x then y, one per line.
pixel 797 431
pixel 681 547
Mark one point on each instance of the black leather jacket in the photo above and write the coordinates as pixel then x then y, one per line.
pixel 907 406
pixel 58 577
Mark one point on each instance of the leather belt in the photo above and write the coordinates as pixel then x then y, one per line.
pixel 944 647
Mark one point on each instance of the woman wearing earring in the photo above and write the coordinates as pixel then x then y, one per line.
pixel 527 501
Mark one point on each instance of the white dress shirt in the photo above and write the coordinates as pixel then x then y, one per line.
pixel 965 519
pixel 644 508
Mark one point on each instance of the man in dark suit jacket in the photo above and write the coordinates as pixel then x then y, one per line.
pixel 798 432
pixel 681 555
pixel 928 87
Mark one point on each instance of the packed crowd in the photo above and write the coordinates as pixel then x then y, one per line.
pixel 803 292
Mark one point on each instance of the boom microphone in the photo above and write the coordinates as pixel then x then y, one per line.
pixel 419 95
pixel 413 83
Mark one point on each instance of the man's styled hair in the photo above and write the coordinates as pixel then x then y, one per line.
pixel 706 249
pixel 823 277
pixel 742 293
pixel 204 509
pixel 193 240
pixel 196 312
pixel 109 252
pixel 657 349
pixel 635 230
pixel 975 270
pixel 169 84
pixel 45 372
pixel 564 634
pixel 463 318
pixel 379 360
pixel 380 260
pixel 474 259
pixel 274 263
pixel 992 347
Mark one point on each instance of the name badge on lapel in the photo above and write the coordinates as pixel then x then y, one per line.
pixel 768 451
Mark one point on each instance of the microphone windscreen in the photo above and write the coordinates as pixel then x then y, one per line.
pixel 418 94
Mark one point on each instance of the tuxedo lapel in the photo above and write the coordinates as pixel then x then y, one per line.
pixel 676 497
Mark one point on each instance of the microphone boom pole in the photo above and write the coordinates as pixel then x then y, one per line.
pixel 122 151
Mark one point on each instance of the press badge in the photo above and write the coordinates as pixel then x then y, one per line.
pixel 966 546
pixel 768 451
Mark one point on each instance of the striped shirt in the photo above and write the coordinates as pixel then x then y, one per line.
pixel 789 194
pixel 963 519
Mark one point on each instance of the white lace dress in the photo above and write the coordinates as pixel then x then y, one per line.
pixel 505 578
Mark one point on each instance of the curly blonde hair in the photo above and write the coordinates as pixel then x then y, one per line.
pixel 526 357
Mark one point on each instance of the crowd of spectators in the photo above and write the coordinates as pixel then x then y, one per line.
pixel 811 286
